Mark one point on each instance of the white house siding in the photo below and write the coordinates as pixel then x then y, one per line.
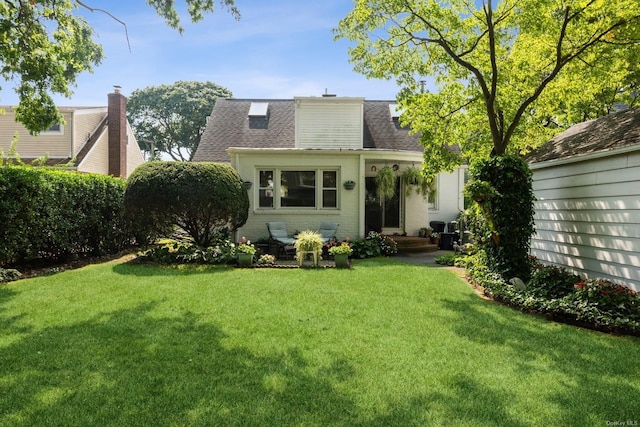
pixel 347 214
pixel 329 123
pixel 449 199
pixel 588 216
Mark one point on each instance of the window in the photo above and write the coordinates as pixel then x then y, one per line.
pixel 258 109
pixel 329 189
pixel 298 189
pixel 313 188
pixel 266 190
pixel 55 129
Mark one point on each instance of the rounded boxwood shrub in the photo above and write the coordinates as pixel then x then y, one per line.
pixel 203 199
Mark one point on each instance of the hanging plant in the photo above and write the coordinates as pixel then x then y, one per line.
pixel 386 183
pixel 425 186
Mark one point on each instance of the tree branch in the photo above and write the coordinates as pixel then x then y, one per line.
pixel 93 9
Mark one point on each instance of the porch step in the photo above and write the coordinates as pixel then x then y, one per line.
pixel 414 244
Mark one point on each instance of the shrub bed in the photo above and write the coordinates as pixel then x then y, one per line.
pixel 560 295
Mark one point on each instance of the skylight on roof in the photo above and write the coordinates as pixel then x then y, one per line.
pixel 394 111
pixel 258 109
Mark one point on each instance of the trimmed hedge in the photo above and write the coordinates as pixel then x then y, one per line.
pixel 55 214
pixel 203 199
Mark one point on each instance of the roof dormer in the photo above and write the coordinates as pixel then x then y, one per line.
pixel 329 122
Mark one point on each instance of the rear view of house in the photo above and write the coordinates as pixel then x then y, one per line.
pixel 310 160
pixel 91 139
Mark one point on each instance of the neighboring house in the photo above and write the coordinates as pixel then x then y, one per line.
pixel 587 182
pixel 298 155
pixel 92 139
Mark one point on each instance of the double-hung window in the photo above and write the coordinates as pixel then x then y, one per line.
pixel 298 188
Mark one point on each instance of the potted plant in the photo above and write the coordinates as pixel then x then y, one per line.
pixel 386 183
pixel 425 232
pixel 308 242
pixel 414 178
pixel 245 252
pixel 435 238
pixel 341 254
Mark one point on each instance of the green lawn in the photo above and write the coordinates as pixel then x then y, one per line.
pixel 384 344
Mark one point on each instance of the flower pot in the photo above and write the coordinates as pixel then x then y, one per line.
pixel 245 259
pixel 341 260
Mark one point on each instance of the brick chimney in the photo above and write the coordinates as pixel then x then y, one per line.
pixel 117 121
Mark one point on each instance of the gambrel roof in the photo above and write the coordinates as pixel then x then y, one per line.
pixel 230 126
pixel 615 131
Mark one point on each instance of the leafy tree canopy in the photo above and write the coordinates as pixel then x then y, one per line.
pixel 45 45
pixel 509 74
pixel 173 117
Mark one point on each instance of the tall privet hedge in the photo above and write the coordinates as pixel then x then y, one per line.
pixel 203 199
pixel 55 214
pixel 502 215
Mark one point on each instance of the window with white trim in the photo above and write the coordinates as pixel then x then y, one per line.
pixel 294 188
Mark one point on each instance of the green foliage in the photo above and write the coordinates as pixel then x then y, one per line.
pixel 450 259
pixel 173 116
pixel 308 241
pixel 166 9
pixel 221 252
pixel 608 296
pixel 386 183
pixel 245 247
pixel 596 303
pixel 55 214
pixel 413 178
pixel 45 45
pixel 9 274
pixel 502 224
pixel 203 199
pixel 508 77
pixel 344 248
pixel 374 245
pixel 552 282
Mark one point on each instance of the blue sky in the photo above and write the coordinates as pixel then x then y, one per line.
pixel 278 49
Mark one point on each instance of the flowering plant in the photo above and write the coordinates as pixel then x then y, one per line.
pixel 342 248
pixel 245 247
pixel 606 294
pixel 266 259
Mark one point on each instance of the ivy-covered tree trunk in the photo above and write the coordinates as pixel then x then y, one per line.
pixel 501 188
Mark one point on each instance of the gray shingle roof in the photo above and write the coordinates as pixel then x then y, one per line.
pixel 230 126
pixel 617 130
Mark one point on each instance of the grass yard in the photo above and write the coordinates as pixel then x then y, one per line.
pixel 383 344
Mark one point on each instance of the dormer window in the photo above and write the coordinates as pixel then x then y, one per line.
pixel 258 109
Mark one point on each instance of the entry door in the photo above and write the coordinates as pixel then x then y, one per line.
pixel 381 215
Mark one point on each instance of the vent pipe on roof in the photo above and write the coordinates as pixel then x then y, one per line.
pixel 326 94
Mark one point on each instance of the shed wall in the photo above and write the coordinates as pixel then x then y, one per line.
pixel 588 217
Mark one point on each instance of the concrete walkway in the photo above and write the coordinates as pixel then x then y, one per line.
pixel 422 258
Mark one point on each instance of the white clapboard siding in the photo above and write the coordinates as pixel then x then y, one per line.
pixel 329 123
pixel 588 216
